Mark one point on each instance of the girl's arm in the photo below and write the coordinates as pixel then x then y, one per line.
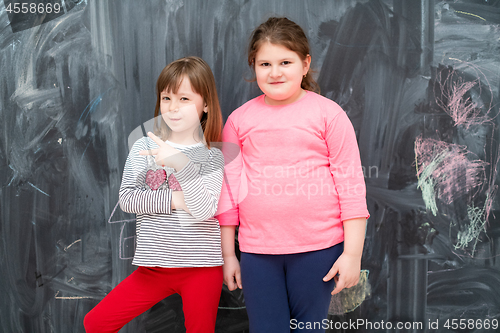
pixel 228 212
pixel 231 267
pixel 133 196
pixel 345 165
pixel 178 201
pixel 201 188
pixel 348 265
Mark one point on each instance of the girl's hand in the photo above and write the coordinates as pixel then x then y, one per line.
pixel 178 201
pixel 166 155
pixel 232 273
pixel 345 271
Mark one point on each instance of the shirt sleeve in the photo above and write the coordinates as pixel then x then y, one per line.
pixel 228 210
pixel 202 187
pixel 133 195
pixel 345 166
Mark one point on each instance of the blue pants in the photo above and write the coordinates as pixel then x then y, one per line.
pixel 281 288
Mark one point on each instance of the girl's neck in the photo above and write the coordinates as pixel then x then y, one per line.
pixel 184 139
pixel 300 94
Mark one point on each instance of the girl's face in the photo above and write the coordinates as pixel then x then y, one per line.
pixel 279 73
pixel 182 111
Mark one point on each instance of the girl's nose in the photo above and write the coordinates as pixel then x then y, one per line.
pixel 275 71
pixel 173 106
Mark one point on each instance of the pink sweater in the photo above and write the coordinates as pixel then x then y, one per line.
pixel 298 175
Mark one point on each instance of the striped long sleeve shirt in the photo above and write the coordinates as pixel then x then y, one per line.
pixel 168 237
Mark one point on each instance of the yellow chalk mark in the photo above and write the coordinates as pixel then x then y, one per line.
pixel 73 297
pixel 70 245
pixel 70 297
pixel 349 299
pixel 465 13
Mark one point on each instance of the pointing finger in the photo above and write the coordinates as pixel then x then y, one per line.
pixel 156 139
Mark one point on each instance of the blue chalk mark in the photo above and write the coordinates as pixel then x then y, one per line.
pixel 15 175
pixel 88 144
pixel 92 106
pixel 39 189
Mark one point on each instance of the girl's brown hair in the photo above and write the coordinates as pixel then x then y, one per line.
pixel 282 31
pixel 203 83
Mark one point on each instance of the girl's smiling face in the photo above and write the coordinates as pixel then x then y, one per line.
pixel 279 73
pixel 182 112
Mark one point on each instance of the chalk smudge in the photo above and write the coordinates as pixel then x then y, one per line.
pixel 349 299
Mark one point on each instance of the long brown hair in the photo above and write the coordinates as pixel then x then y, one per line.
pixel 284 32
pixel 203 83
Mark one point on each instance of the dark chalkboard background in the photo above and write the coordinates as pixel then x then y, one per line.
pixel 419 80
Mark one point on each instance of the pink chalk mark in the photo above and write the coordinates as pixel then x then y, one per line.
pixel 453 172
pixel 122 244
pixel 463 111
pixel 113 213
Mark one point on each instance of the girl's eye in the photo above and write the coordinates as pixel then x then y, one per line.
pixel 184 99
pixel 286 62
pixel 165 98
pixel 265 64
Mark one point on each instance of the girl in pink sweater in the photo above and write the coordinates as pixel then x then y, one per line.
pixel 295 189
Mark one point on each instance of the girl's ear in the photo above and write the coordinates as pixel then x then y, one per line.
pixel 205 108
pixel 307 64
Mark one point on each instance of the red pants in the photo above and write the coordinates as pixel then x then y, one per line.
pixel 199 287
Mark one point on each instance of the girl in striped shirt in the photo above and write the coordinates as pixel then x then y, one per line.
pixel 172 181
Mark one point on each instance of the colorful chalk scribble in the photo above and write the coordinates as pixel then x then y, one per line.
pixel 477 219
pixel 445 171
pixel 454 95
pixel 449 171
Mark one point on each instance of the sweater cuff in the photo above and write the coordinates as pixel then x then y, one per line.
pixel 166 197
pixel 345 217
pixel 228 218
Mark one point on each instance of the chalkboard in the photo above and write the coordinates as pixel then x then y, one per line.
pixel 419 80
